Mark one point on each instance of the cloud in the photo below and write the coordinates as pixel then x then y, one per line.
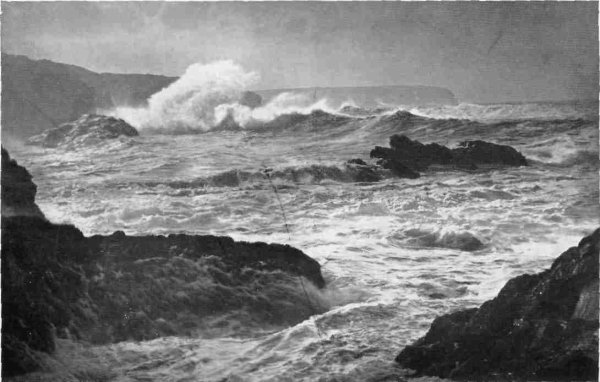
pixel 479 50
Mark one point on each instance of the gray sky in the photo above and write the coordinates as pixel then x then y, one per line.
pixel 482 51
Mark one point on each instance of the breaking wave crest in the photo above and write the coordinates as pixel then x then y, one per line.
pixel 509 111
pixel 209 96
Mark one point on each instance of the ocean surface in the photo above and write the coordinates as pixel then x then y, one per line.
pixel 392 252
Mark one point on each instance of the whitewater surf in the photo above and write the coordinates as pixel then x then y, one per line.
pixel 395 253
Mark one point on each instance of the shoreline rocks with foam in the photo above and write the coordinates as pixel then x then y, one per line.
pixel 101 289
pixel 539 327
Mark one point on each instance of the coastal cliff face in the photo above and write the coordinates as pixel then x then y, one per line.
pixel 539 327
pixel 40 94
pixel 102 289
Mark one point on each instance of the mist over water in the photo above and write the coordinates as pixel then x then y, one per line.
pixel 395 254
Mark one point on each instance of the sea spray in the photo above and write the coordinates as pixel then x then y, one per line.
pixel 208 95
pixel 188 104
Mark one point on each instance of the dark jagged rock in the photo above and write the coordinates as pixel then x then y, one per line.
pixel 18 191
pixel 481 152
pixel 405 157
pixel 89 128
pixel 56 282
pixel 539 327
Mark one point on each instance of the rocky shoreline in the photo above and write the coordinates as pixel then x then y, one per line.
pixel 539 327
pixel 58 283
pixel 103 289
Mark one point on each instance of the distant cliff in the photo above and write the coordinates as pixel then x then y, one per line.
pixel 37 95
pixel 373 96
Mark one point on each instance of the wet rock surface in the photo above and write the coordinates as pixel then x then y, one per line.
pixel 539 327
pixel 406 157
pixel 89 128
pixel 58 283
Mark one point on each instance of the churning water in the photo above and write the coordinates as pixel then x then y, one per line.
pixel 395 254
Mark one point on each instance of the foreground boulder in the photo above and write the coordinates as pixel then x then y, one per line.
pixel 539 327
pixel 56 282
pixel 406 157
pixel 88 129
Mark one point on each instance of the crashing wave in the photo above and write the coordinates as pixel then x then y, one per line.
pixel 214 96
pixel 189 104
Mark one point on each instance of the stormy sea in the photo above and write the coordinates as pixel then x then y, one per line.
pixel 395 253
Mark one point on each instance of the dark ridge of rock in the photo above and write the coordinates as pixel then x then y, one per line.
pixel 405 157
pixel 58 283
pixel 481 152
pixel 89 128
pixel 539 327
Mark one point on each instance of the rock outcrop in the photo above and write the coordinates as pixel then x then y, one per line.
pixel 18 191
pixel 539 327
pixel 88 129
pixel 406 157
pixel 56 282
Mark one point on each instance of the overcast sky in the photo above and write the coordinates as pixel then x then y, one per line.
pixel 482 51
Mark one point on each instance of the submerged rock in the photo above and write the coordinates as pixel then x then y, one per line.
pixel 405 157
pixel 58 283
pixel 539 327
pixel 89 128
pixel 464 241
